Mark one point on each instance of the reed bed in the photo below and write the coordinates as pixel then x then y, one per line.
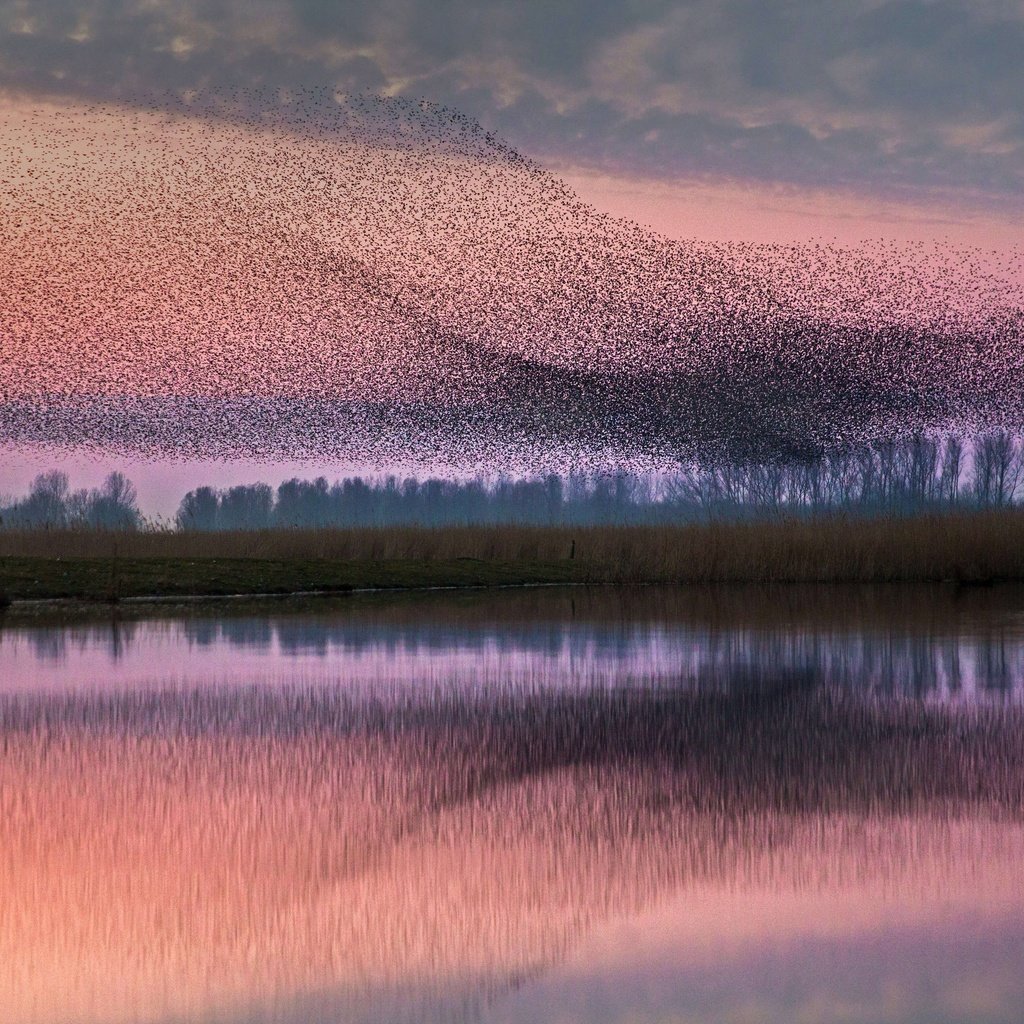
pixel 962 547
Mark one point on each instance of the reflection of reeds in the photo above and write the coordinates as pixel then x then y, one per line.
pixel 958 548
pixel 916 611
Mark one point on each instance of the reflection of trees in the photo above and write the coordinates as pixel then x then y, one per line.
pixel 928 643
pixel 999 667
pixel 52 643
pixel 917 666
pixel 251 632
pixel 202 632
pixel 49 644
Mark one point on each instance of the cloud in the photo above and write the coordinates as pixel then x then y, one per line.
pixel 905 95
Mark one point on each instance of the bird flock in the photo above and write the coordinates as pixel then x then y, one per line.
pixel 309 274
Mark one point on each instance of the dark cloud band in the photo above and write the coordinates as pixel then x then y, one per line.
pixel 900 96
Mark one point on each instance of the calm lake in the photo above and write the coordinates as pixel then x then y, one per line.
pixel 510 807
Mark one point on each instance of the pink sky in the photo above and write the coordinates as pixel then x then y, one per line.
pixel 758 212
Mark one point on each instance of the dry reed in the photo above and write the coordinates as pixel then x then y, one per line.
pixel 962 547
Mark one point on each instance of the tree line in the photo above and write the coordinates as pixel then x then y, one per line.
pixel 918 474
pixel 432 502
pixel 52 504
pixel 904 477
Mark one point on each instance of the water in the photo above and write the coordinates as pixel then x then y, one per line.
pixel 593 806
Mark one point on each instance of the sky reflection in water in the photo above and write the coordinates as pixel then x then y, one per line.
pixel 601 807
pixel 939 644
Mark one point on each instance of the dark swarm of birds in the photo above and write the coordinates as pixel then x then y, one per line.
pixel 310 274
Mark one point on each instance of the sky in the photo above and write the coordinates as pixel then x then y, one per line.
pixel 724 121
pixel 803 112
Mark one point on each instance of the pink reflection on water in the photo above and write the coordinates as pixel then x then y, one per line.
pixel 221 880
pixel 533 836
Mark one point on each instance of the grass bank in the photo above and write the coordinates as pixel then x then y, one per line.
pixel 979 547
pixel 121 578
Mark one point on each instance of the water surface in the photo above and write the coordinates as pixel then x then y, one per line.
pixel 608 806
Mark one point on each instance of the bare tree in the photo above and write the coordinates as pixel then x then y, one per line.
pixel 952 469
pixel 998 465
